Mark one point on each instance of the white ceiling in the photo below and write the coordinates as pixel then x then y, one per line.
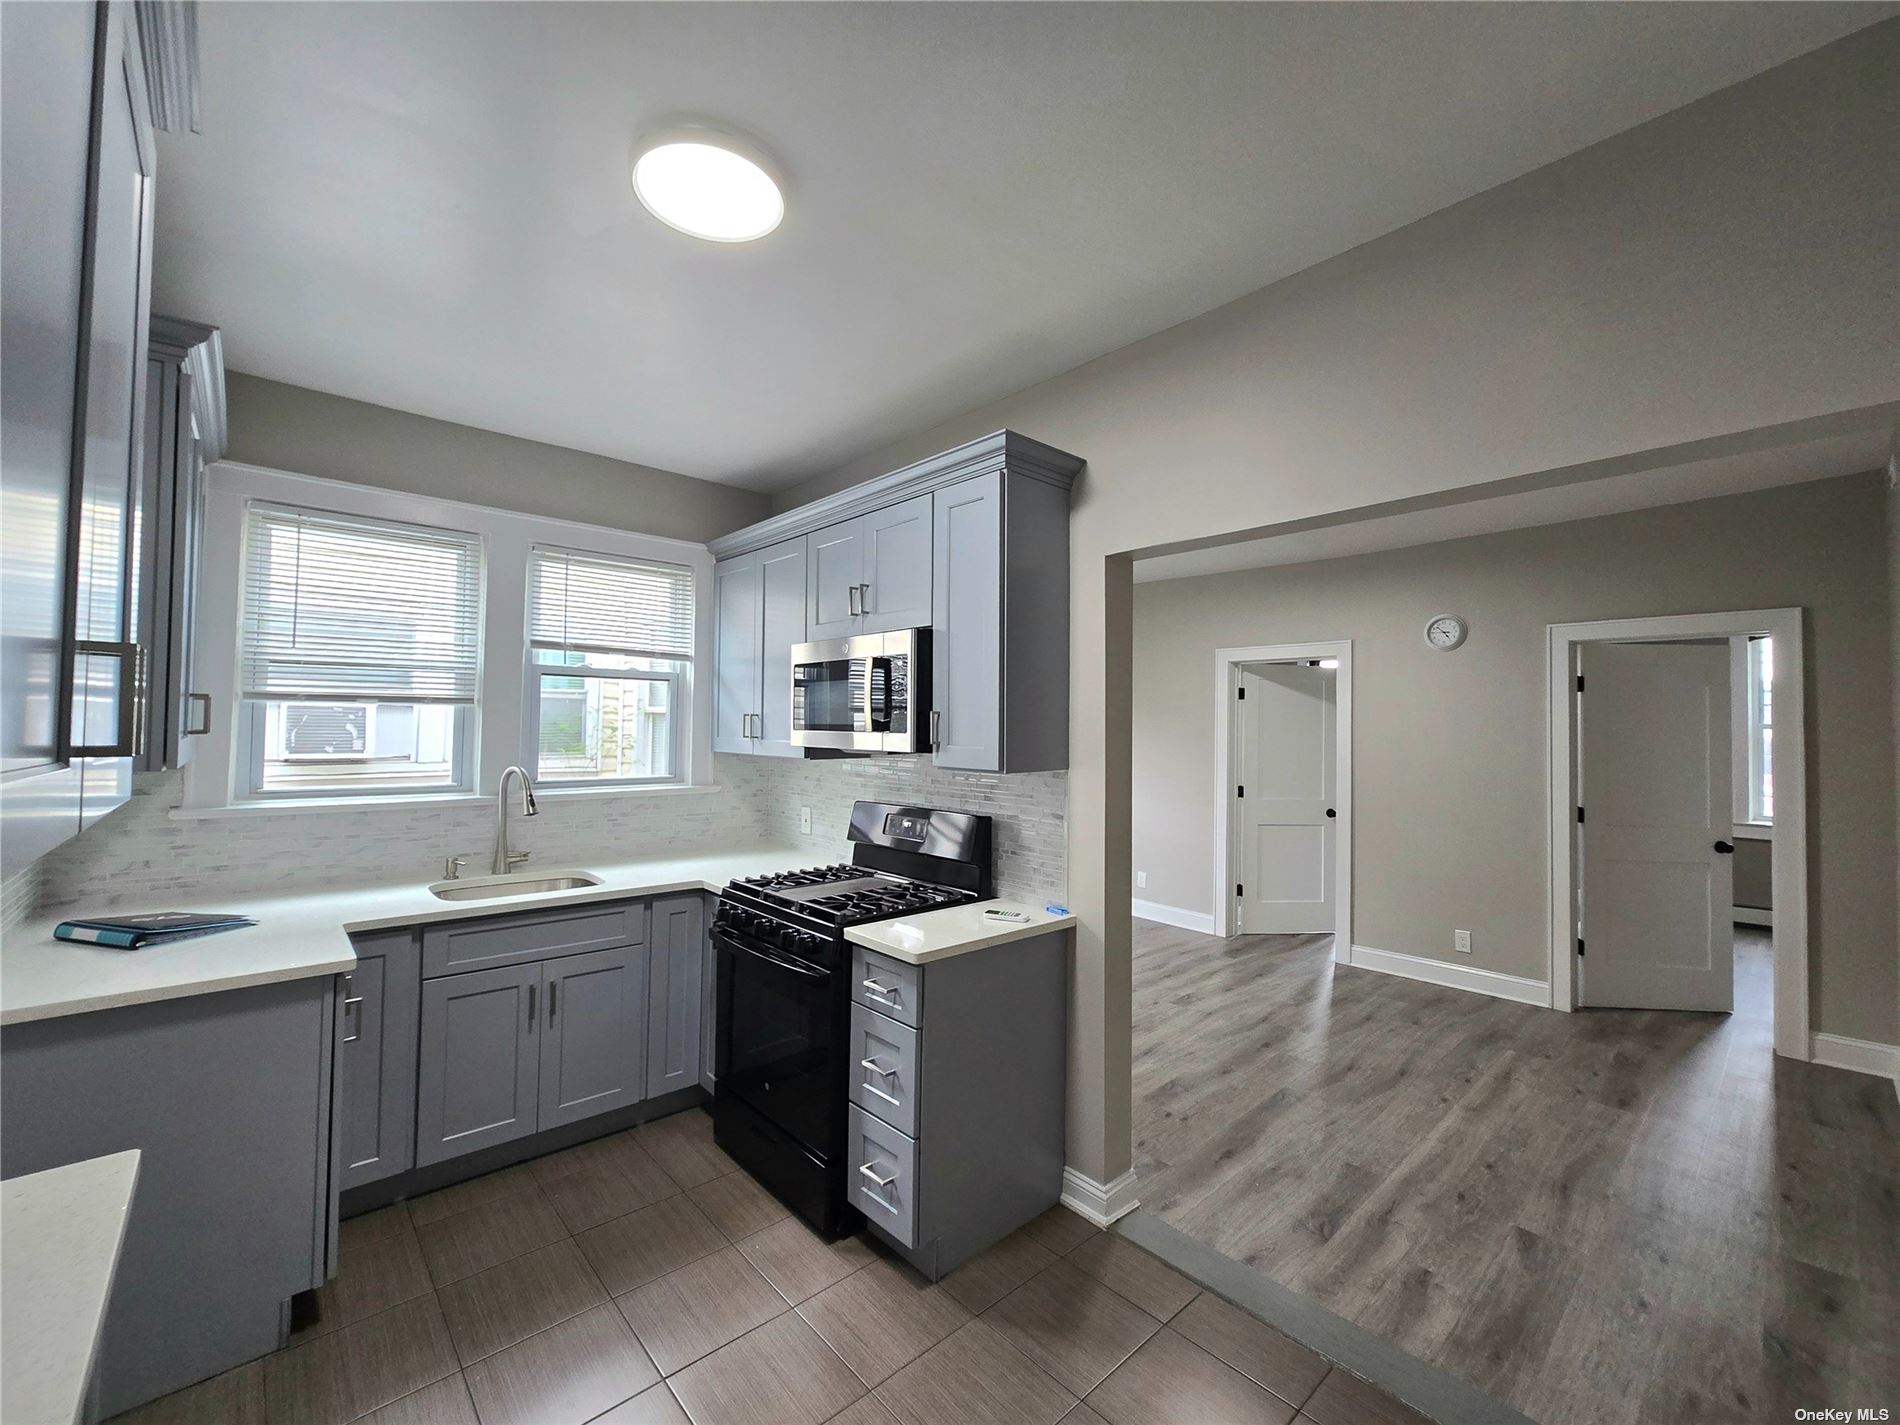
pixel 427 206
pixel 1848 453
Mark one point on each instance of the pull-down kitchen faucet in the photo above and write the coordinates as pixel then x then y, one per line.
pixel 504 861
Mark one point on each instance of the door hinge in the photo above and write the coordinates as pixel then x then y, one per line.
pixel 1239 891
pixel 1241 790
pixel 1242 693
pixel 1580 682
pixel 1579 946
pixel 1579 816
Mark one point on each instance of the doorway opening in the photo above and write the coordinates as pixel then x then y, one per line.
pixel 1644 811
pixel 1283 774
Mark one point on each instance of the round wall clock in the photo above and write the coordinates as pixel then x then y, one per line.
pixel 1445 632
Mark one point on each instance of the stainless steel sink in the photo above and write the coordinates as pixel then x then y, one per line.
pixel 482 888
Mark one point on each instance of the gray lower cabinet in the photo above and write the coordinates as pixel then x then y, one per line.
pixel 957 1107
pixel 376 1059
pixel 480 1063
pixel 228 1098
pixel 674 993
pixel 593 1039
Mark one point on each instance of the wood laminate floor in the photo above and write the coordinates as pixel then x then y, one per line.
pixel 1628 1216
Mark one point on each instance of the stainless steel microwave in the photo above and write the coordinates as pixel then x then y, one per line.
pixel 865 694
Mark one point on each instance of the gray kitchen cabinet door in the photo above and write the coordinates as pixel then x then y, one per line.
pixel 376 1059
pixel 834 574
pixel 897 560
pixel 967 624
pixel 479 1066
pixel 782 593
pixel 673 996
pixel 593 1039
pixel 738 594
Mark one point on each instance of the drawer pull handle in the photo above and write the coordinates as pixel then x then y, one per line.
pixel 881 1071
pixel 878 1068
pixel 878 987
pixel 882 1181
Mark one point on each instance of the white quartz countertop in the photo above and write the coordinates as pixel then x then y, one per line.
pixel 307 933
pixel 939 934
pixel 60 1233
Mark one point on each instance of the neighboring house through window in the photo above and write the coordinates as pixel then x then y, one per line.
pixel 1761 729
pixel 359 655
pixel 610 643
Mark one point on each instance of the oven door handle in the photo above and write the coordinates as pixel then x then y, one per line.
pixel 810 972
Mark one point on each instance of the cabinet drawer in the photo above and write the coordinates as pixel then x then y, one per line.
pixel 888 986
pixel 882 1168
pixel 884 1068
pixel 458 945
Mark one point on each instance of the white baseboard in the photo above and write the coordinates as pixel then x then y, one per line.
pixel 1749 915
pixel 1200 920
pixel 1863 1056
pixel 1099 1203
pixel 1457 977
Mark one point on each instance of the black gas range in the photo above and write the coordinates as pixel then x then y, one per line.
pixel 784 992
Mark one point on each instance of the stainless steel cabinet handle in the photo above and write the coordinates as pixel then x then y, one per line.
pixel 864 598
pixel 202 702
pixel 531 990
pixel 853 597
pixel 877 1068
pixel 554 998
pixel 878 987
pixel 356 1033
pixel 892 1099
pixel 872 1173
pixel 936 729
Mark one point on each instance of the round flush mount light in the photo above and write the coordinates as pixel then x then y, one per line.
pixel 708 183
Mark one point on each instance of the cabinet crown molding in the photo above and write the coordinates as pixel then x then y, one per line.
pixel 200 349
pixel 1002 450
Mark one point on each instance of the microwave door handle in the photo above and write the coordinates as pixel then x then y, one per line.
pixel 877 696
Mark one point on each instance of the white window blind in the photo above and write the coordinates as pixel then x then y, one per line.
pixel 339 609
pixel 590 603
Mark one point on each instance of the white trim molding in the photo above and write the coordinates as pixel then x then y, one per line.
pixel 1227 662
pixel 1173 915
pixel 1100 1203
pixel 1752 915
pixel 1516 988
pixel 1789 866
pixel 1862 1056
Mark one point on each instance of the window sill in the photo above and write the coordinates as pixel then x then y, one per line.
pixel 291 807
pixel 1755 830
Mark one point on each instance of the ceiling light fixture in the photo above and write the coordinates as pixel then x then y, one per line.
pixel 708 183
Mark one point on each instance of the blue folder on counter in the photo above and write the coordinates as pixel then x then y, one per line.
pixel 135 932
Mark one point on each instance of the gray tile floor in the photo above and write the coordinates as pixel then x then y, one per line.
pixel 642 1279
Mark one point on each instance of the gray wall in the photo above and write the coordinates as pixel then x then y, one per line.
pixel 1449 758
pixel 1723 270
pixel 1754 873
pixel 291 428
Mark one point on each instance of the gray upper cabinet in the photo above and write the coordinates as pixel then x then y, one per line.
pixel 79 159
pixel 480 1063
pixel 973 543
pixel 967 626
pixel 759 601
pixel 376 1059
pixel 184 432
pixel 675 982
pixel 897 566
pixel 593 1039
pixel 834 575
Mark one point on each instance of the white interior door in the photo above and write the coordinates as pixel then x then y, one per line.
pixel 1655 888
pixel 1284 799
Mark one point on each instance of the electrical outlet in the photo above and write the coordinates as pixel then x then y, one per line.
pixel 1141 880
pixel 804 820
pixel 1461 941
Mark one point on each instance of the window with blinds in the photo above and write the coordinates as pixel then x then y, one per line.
pixel 359 653
pixel 609 643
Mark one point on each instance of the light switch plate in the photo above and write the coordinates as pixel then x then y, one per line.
pixel 1461 941
pixel 1141 880
pixel 804 819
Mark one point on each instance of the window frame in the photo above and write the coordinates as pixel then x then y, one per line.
pixel 1759 734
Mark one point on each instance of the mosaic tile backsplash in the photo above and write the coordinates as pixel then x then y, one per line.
pixel 140 853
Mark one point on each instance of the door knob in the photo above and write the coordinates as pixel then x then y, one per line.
pixel 1727 848
pixel 1331 812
